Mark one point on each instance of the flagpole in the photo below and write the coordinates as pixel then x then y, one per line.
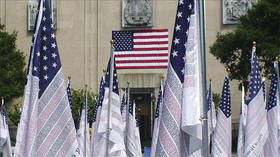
pixel 205 149
pixel 127 112
pixel 109 127
pixel 85 131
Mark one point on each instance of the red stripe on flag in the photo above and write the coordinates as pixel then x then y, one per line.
pixel 142 55
pixel 151 49
pixel 150 31
pixel 150 37
pixel 150 43
pixel 142 67
pixel 143 61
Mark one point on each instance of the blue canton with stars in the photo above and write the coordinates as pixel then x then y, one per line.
pixel 115 78
pixel 123 103
pixel 210 97
pixel 69 95
pixel 180 36
pixel 158 103
pixel 272 102
pixel 46 62
pixel 255 83
pixel 130 103
pixel 123 40
pixel 225 104
pixel 98 103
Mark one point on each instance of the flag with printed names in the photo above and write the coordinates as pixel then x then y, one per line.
pixel 46 125
pixel 256 130
pixel 5 141
pixel 211 112
pixel 157 120
pixel 271 147
pixel 141 49
pixel 131 139
pixel 242 124
pixel 95 136
pixel 83 131
pixel 221 144
pixel 116 139
pixel 68 89
pixel 171 137
pixel 192 91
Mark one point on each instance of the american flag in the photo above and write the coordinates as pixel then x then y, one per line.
pixel 141 49
pixel 123 112
pixel 264 88
pixel 242 124
pixel 116 144
pixel 171 138
pixel 5 141
pixel 211 112
pixel 97 110
pixel 46 126
pixel 83 131
pixel 131 138
pixel 157 120
pixel 137 132
pixel 272 146
pixel 256 130
pixel 68 89
pixel 222 134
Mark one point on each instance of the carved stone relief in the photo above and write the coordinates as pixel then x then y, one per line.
pixel 233 9
pixel 137 13
pixel 32 11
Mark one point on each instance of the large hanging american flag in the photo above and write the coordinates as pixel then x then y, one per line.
pixel 171 138
pixel 272 146
pixel 142 49
pixel 256 130
pixel 222 134
pixel 46 126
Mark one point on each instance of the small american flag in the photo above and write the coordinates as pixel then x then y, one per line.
pixel 171 141
pixel 83 131
pixel 132 147
pixel 143 49
pixel 256 130
pixel 5 141
pixel 46 126
pixel 222 134
pixel 95 136
pixel 116 139
pixel 272 146
pixel 68 89
pixel 211 112
pixel 242 124
pixel 157 120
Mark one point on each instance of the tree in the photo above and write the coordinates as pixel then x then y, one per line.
pixel 260 24
pixel 12 63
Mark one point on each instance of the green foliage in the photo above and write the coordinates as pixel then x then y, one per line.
pixel 14 114
pixel 260 24
pixel 216 99
pixel 12 62
pixel 77 101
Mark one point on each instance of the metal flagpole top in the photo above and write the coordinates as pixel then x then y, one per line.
pixel 254 43
pixel 69 77
pixel 104 71
pixel 112 42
